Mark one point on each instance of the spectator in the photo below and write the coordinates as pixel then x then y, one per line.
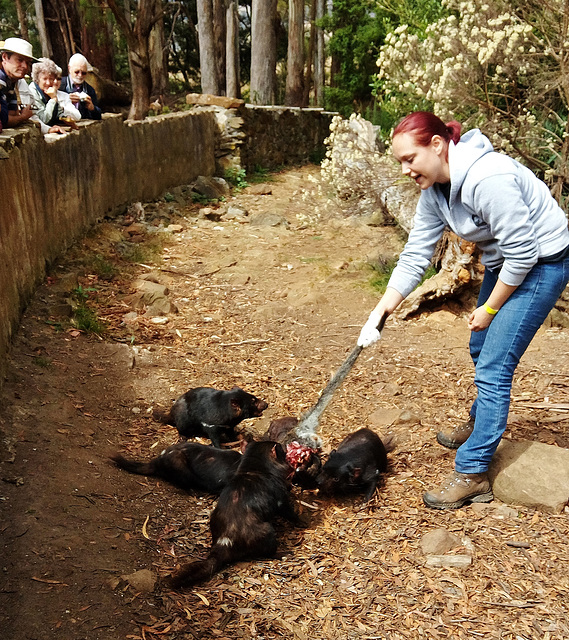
pixel 49 111
pixel 70 112
pixel 82 94
pixel 15 63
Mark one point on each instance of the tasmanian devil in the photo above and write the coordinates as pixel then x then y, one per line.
pixel 188 465
pixel 241 523
pixel 355 465
pixel 211 413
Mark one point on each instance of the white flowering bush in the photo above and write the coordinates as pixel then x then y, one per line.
pixel 353 175
pixel 353 167
pixel 495 65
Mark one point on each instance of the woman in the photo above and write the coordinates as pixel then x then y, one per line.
pixel 490 199
pixel 48 110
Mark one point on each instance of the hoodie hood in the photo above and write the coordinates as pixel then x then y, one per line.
pixel 461 156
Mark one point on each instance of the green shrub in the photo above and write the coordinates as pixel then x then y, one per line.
pixel 236 178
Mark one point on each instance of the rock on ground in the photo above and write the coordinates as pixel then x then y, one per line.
pixel 532 474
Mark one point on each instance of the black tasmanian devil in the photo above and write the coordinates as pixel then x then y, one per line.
pixel 212 413
pixel 356 465
pixel 241 523
pixel 188 465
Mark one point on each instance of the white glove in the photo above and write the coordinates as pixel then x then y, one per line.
pixel 369 333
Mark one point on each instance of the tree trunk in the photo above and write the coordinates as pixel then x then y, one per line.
pixel 208 67
pixel 263 51
pixel 96 41
pixel 319 57
pixel 158 60
pixel 310 56
pixel 46 49
pixel 335 67
pixel 233 89
pixel 458 271
pixel 137 35
pixel 295 58
pixel 141 79
pixel 219 40
pixel 22 19
pixel 63 26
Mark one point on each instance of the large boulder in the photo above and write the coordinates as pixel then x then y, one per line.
pixel 213 188
pixel 532 474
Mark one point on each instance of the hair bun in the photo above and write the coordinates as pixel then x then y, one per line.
pixel 454 128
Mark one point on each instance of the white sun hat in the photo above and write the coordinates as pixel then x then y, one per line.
pixel 19 46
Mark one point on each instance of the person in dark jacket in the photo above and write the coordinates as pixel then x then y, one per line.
pixel 82 94
pixel 15 62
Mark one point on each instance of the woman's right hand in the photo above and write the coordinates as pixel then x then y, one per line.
pixel 370 334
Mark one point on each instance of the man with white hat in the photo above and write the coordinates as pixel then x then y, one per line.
pixel 15 63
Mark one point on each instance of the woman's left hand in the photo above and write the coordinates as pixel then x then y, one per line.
pixel 479 319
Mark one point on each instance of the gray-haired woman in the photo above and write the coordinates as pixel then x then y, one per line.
pixel 48 110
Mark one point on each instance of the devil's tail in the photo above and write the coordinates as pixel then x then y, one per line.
pixel 165 417
pixel 133 466
pixel 202 570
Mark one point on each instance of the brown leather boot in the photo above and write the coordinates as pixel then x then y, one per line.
pixel 458 489
pixel 459 435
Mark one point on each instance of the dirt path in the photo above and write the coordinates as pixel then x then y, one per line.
pixel 273 309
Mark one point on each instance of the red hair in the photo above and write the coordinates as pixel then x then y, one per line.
pixel 424 125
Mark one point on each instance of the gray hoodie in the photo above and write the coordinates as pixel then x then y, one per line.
pixel 494 202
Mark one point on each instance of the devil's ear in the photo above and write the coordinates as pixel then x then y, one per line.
pixel 236 407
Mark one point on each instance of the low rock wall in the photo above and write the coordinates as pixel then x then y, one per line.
pixel 53 189
pixel 283 135
pixel 52 192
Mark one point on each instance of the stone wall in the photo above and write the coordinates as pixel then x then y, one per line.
pixel 283 135
pixel 53 189
pixel 52 192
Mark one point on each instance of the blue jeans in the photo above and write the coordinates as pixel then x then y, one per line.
pixel 496 352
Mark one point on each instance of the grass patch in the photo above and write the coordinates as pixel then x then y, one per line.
pixel 84 318
pixel 103 268
pixel 382 272
pixel 260 174
pixel 146 252
pixel 57 326
pixel 41 361
pixel 199 198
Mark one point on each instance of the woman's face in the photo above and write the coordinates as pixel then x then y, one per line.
pixel 426 165
pixel 46 80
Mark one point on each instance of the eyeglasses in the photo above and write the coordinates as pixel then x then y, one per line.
pixel 80 73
